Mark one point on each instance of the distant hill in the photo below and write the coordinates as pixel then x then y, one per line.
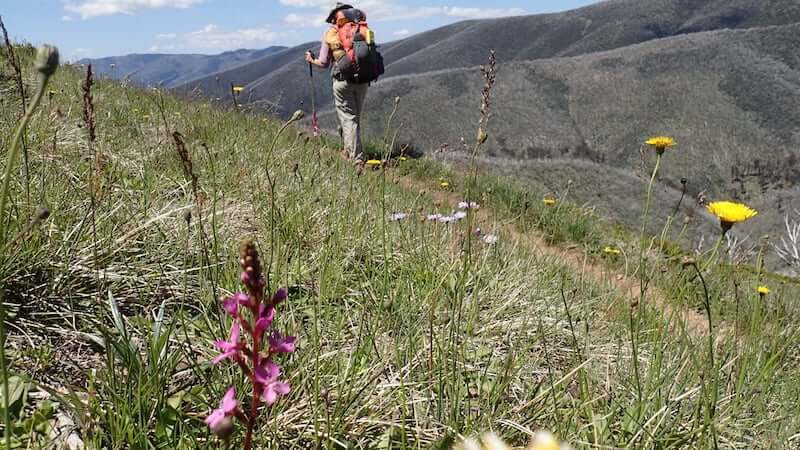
pixel 172 70
pixel 282 78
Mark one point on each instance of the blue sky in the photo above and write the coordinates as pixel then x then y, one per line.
pixel 96 28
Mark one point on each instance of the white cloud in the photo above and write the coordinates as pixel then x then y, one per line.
pixel 72 55
pixel 212 37
pixel 402 33
pixel 388 10
pixel 307 3
pixel 93 8
pixel 66 18
pixel 305 20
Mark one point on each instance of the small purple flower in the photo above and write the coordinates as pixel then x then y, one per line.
pixel 281 344
pixel 227 408
pixel 447 219
pixel 279 296
pixel 398 216
pixel 267 374
pixel 433 217
pixel 459 215
pixel 490 239
pixel 468 205
pixel 265 316
pixel 231 348
pixel 232 303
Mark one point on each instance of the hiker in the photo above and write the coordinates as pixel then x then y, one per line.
pixel 349 50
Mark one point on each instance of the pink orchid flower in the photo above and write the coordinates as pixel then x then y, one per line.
pixel 265 316
pixel 279 296
pixel 227 407
pixel 281 344
pixel 267 374
pixel 231 348
pixel 232 303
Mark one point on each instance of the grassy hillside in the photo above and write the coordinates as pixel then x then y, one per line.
pixel 579 89
pixel 411 333
pixel 728 97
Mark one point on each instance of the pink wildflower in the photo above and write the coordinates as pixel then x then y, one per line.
pixel 279 296
pixel 265 316
pixel 232 303
pixel 227 408
pixel 281 344
pixel 267 375
pixel 231 348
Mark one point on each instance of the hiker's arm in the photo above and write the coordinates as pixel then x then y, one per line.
pixel 324 57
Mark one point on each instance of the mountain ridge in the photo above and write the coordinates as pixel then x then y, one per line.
pixel 465 44
pixel 170 70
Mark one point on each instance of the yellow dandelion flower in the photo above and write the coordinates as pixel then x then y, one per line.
pixel 660 143
pixel 730 213
pixel 403 158
pixel 238 89
pixel 549 201
pixel 374 162
pixel 146 117
pixel 52 92
pixel 135 110
pixel 542 440
pixel 444 184
pixel 611 251
pixel 763 290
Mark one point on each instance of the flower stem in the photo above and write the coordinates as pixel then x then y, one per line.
pixel 634 318
pixel 714 252
pixel 647 202
pixel 11 159
pixel 712 406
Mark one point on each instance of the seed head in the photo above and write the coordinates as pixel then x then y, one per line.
pixel 298 115
pixel 251 268
pixel 47 60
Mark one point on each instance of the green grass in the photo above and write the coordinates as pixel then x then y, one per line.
pixel 409 333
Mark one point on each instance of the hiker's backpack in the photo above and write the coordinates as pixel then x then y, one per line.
pixel 360 61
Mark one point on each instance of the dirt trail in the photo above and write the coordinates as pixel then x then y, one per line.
pixel 695 322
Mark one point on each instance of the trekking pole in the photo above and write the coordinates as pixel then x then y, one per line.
pixel 314 123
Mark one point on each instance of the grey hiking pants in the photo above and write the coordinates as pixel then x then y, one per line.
pixel 349 99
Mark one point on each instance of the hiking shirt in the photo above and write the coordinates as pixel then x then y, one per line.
pixel 329 40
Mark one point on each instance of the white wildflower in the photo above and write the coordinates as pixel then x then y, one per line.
pixel 490 239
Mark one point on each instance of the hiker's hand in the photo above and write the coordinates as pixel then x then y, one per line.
pixel 310 57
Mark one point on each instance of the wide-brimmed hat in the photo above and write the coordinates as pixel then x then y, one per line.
pixel 339 6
